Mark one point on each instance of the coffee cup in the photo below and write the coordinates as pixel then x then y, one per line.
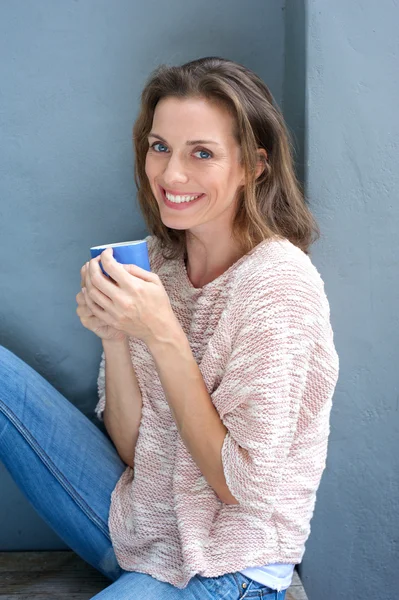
pixel 127 253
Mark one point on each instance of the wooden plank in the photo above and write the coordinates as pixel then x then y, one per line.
pixel 47 575
pixel 51 584
pixel 296 593
pixel 52 560
pixel 63 575
pixel 295 580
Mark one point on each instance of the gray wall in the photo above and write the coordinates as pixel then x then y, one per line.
pixel 352 149
pixel 71 74
pixel 293 103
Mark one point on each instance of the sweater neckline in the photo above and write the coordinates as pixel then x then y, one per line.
pixel 221 278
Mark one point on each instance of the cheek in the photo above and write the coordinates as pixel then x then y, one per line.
pixel 150 167
pixel 147 165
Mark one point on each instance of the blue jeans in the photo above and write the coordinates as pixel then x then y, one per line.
pixel 67 469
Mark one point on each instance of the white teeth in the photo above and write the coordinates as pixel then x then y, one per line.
pixel 179 199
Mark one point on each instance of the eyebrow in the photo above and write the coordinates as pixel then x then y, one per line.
pixel 188 143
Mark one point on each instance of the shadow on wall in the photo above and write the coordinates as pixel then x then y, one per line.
pixel 294 86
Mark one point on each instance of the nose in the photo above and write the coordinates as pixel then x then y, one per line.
pixel 174 171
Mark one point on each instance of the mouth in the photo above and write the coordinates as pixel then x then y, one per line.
pixel 182 204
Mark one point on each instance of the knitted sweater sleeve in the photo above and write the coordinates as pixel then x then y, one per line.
pixel 155 257
pixel 276 391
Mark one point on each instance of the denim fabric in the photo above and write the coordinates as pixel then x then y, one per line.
pixel 67 469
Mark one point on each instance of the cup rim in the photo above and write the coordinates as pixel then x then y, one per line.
pixel 117 244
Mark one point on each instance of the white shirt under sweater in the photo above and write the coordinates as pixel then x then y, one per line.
pixel 261 336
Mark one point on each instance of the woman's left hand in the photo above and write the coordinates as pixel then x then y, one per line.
pixel 133 301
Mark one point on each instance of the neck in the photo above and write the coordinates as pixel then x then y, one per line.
pixel 205 265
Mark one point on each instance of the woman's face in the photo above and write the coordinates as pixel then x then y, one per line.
pixel 209 167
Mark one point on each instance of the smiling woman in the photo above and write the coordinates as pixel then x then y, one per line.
pixel 218 367
pixel 212 127
pixel 217 187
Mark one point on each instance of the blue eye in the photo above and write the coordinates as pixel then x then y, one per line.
pixel 157 144
pixel 205 152
pixel 198 151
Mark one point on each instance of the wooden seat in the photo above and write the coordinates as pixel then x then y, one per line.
pixel 62 575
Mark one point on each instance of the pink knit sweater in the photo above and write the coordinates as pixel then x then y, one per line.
pixel 262 338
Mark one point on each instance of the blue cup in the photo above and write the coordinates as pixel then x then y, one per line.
pixel 126 253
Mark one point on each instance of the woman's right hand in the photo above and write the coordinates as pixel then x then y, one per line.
pixel 89 320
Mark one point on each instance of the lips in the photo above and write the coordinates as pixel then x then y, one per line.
pixel 179 205
pixel 176 193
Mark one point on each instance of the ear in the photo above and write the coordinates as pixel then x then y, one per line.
pixel 261 162
pixel 260 165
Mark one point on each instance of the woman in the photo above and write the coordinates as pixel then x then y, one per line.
pixel 218 367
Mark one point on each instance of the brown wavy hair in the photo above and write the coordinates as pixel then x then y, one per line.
pixel 273 205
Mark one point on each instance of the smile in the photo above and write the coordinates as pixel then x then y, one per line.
pixel 180 201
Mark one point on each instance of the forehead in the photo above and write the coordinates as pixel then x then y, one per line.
pixel 193 118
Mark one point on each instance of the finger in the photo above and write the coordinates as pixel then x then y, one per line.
pixel 97 310
pixel 80 298
pixel 90 302
pixel 83 311
pixel 93 284
pixel 115 270
pixel 141 273
pixel 89 269
pixel 91 322
pixel 95 324
pixel 83 272
pixel 98 280
pixel 99 299
pixel 82 275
